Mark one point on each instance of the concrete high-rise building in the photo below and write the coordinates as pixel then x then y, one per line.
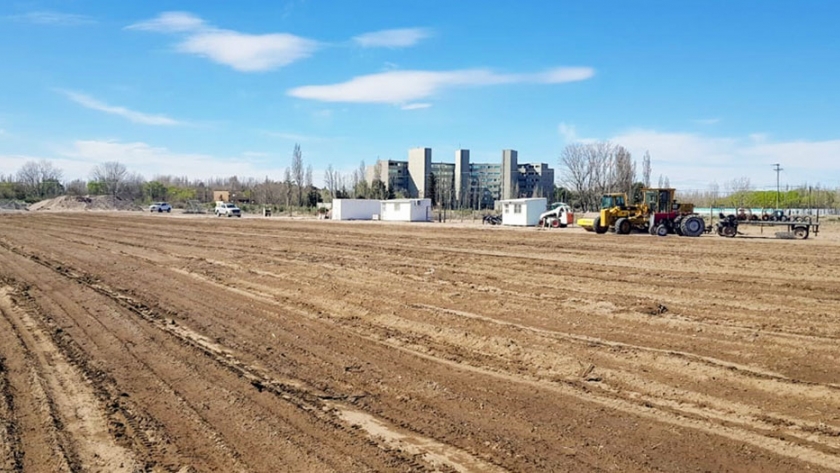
pixel 535 180
pixel 465 184
pixel 393 173
pixel 510 174
pixel 419 168
pixel 462 176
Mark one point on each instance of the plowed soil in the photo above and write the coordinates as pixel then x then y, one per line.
pixel 155 343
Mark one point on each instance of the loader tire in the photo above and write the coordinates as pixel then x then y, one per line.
pixel 596 225
pixel 623 226
pixel 693 226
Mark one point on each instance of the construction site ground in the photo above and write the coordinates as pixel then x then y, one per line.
pixel 145 342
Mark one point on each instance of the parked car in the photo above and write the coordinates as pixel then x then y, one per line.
pixel 228 209
pixel 160 207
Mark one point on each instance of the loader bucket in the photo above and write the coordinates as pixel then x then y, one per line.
pixel 587 224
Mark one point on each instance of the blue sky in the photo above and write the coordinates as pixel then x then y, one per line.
pixel 714 90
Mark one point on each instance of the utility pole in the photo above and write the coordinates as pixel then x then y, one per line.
pixel 778 169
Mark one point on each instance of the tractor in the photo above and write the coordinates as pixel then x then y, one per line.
pixel 659 213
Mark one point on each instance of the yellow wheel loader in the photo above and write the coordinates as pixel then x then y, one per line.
pixel 659 213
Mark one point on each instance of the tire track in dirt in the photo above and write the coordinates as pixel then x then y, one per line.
pixel 81 432
pixel 11 452
pixel 325 407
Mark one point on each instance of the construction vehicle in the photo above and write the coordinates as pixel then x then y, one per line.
pixel 558 216
pixel 659 213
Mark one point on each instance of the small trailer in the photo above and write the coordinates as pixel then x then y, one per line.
pixel 798 229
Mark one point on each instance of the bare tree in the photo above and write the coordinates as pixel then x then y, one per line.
pixel 287 184
pixel 298 172
pixel 737 190
pixel 77 187
pixel 111 176
pixel 624 171
pixel 40 179
pixel 577 173
pixel 330 180
pixel 646 169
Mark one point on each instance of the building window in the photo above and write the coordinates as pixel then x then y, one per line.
pixel 507 208
pixel 517 208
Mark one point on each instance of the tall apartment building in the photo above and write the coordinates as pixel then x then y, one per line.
pixel 419 167
pixel 474 185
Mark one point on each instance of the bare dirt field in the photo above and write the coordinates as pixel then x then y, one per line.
pixel 136 342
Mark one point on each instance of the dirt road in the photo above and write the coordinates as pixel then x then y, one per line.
pixel 154 343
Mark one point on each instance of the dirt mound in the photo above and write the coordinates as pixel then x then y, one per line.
pixel 97 202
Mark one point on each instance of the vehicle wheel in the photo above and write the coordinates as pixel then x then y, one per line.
pixel 661 230
pixel 541 224
pixel 693 226
pixel 596 224
pixel 239 216
pixel 555 223
pixel 160 210
pixel 623 226
pixel 169 211
pixel 800 232
pixel 729 231
pixel 765 217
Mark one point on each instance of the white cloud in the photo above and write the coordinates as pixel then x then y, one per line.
pixel 396 38
pixel 52 18
pixel 416 106
pixel 692 161
pixel 241 51
pixel 169 22
pixel 134 116
pixel 399 87
pixel 249 53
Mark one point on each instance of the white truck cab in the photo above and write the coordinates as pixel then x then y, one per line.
pixel 227 209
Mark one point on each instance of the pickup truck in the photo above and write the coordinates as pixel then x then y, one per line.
pixel 227 209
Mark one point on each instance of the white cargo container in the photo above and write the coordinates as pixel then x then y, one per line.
pixel 354 209
pixel 522 212
pixel 406 210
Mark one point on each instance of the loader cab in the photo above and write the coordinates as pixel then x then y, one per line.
pixel 609 201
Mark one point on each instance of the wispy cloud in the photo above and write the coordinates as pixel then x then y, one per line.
pixel 400 87
pixel 241 51
pixel 53 18
pixel 170 22
pixel 396 38
pixel 707 121
pixel 132 115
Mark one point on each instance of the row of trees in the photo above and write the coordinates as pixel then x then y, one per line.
pixel 38 180
pixel 739 193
